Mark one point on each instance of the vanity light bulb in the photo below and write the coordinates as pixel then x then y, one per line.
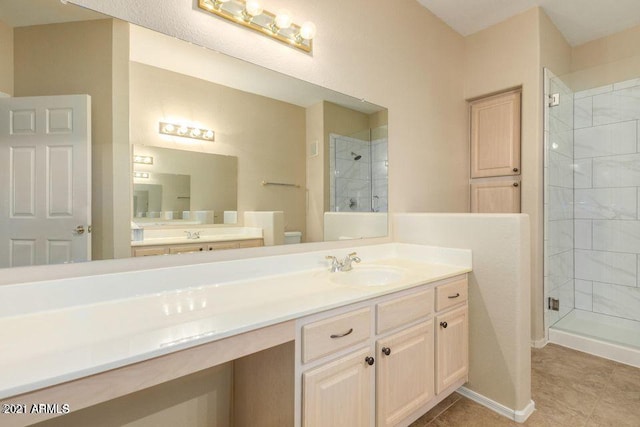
pixel 209 134
pixel 253 8
pixel 169 128
pixel 308 30
pixel 283 19
pixel 195 132
pixel 183 130
pixel 147 160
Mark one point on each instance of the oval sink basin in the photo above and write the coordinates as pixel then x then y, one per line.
pixel 368 276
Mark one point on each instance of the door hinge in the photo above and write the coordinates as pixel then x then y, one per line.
pixel 554 304
pixel 554 100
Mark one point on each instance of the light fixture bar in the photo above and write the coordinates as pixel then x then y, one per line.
pixel 250 14
pixel 186 131
pixel 141 175
pixel 143 160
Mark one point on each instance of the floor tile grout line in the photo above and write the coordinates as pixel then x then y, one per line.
pixel 444 410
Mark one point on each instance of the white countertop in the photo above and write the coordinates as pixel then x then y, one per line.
pixel 72 335
pixel 178 235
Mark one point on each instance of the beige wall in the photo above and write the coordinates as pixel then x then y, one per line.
pixel 606 60
pixel 267 136
pixel 6 58
pixel 315 173
pixel 504 56
pixel 414 68
pixel 81 58
pixel 324 119
pixel 213 178
pixel 200 399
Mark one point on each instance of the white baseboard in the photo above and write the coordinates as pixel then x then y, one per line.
pixel 539 343
pixel 517 416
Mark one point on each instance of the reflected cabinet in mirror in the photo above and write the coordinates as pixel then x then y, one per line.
pixel 115 138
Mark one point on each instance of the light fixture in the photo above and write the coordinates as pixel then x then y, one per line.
pixel 144 175
pixel 186 131
pixel 143 160
pixel 251 14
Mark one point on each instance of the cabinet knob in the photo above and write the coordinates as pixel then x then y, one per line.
pixel 370 360
pixel 386 351
pixel 515 169
pixel 444 324
pixel 515 184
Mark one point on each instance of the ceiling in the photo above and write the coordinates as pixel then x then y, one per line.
pixel 579 20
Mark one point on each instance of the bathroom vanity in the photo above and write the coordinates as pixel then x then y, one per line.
pixel 177 240
pixel 385 341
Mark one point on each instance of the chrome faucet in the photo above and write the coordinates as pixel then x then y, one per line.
pixel 193 234
pixel 344 265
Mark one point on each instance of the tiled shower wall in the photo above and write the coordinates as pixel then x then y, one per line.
pixel 558 200
pixel 358 185
pixel 606 197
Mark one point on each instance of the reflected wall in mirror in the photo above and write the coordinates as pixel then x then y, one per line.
pixel 183 187
pixel 277 128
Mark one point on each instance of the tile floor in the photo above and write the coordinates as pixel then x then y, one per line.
pixel 569 388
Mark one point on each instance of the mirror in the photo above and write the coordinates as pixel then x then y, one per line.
pixel 276 130
pixel 173 187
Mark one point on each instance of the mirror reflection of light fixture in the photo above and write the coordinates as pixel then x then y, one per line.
pixel 250 14
pixel 186 131
pixel 143 160
pixel 141 175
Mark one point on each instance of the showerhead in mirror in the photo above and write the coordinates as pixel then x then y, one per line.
pixel 356 156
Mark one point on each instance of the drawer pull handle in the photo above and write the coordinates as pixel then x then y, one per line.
pixel 386 351
pixel 342 335
pixel 370 360
pixel 454 296
pixel 444 324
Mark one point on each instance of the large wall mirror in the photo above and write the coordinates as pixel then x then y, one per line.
pixel 250 151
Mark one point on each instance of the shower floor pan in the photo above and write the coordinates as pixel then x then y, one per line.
pixel 599 334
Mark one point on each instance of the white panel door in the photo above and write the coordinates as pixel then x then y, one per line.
pixel 45 180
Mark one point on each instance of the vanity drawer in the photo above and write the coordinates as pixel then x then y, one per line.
pixel 452 293
pixel 403 310
pixel 330 335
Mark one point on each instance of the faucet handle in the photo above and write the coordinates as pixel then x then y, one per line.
pixel 353 256
pixel 335 264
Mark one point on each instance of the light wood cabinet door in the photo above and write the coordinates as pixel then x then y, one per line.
pixel 502 196
pixel 404 379
pixel 452 348
pixel 495 135
pixel 185 249
pixel 339 393
pixel 143 251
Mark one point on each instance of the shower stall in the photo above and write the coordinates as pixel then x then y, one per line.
pixel 358 165
pixel 592 214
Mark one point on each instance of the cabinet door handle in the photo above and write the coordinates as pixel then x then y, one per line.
pixel 515 169
pixel 444 324
pixel 370 360
pixel 342 335
pixel 515 184
pixel 386 351
pixel 454 296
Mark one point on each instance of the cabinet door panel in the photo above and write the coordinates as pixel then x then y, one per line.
pixel 495 135
pixel 495 196
pixel 452 348
pixel 404 376
pixel 339 393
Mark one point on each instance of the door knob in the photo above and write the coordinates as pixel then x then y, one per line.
pixel 79 230
pixel 444 324
pixel 386 351
pixel 370 360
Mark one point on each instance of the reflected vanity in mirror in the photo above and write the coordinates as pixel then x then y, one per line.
pixel 266 128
